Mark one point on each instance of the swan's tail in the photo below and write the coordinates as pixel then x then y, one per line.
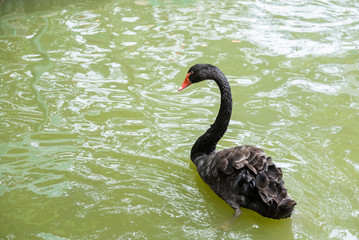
pixel 286 207
pixel 274 195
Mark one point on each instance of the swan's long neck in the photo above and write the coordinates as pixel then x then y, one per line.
pixel 206 144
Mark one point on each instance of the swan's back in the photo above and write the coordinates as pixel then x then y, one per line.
pixel 244 177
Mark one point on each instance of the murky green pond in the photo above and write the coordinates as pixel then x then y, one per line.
pixel 95 138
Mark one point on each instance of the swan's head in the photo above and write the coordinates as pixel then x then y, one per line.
pixel 197 73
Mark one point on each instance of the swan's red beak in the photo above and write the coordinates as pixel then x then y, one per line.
pixel 185 83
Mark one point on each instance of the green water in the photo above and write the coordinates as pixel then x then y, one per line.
pixel 95 138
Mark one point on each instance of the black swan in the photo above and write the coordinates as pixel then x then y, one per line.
pixel 243 176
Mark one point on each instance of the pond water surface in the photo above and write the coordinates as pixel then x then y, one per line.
pixel 95 138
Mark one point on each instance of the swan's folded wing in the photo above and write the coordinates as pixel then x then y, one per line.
pixel 251 168
pixel 237 158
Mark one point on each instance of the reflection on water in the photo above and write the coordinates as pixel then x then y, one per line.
pixel 95 135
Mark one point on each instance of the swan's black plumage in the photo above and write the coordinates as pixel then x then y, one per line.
pixel 242 176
